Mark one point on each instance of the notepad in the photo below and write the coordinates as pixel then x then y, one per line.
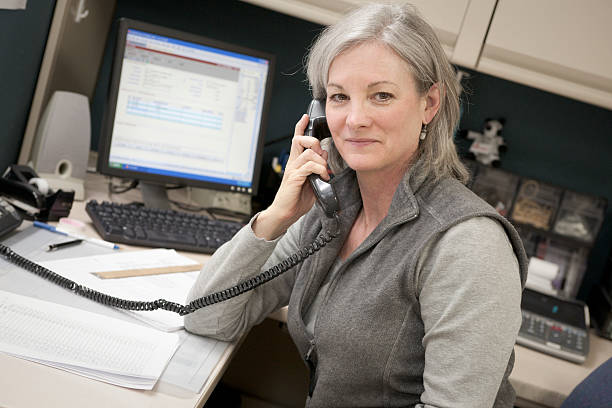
pixel 146 287
pixel 85 343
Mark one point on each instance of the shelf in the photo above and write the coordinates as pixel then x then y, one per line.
pixel 564 239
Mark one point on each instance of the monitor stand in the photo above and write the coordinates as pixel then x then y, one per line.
pixel 154 195
pixel 227 200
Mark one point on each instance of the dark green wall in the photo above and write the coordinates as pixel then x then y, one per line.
pixel 550 138
pixel 23 35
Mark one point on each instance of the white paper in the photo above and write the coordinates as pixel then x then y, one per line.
pixel 193 362
pixel 13 4
pixel 85 343
pixel 125 260
pixel 540 284
pixel 173 287
pixel 542 268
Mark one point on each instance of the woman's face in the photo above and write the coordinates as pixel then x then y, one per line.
pixel 373 109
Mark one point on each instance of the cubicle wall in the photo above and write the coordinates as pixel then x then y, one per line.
pixel 23 35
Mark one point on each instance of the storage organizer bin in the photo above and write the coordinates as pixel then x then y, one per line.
pixel 536 204
pixel 496 187
pixel 580 216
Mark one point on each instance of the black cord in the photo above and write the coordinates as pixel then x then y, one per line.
pixel 188 207
pixel 212 211
pixel 182 310
pixel 114 189
pixel 119 189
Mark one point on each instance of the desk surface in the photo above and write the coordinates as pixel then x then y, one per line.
pixel 27 384
pixel 540 380
pixel 548 380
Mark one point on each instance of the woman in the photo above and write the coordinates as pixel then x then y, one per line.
pixel 416 302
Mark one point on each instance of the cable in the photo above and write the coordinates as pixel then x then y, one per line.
pixel 323 239
pixel 114 189
pixel 212 211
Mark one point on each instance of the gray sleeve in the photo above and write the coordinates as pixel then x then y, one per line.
pixel 243 257
pixel 470 296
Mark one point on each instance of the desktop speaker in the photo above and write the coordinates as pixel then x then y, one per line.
pixel 61 147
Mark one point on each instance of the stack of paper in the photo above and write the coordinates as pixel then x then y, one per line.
pixel 173 287
pixel 84 343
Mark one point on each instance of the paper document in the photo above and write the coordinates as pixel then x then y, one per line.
pixel 84 343
pixel 173 287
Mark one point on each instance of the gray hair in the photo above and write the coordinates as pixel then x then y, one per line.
pixel 402 29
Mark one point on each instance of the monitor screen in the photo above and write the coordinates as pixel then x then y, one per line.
pixel 184 109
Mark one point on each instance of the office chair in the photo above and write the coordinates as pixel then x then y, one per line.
pixel 595 391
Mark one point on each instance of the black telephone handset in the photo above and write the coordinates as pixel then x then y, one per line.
pixel 317 127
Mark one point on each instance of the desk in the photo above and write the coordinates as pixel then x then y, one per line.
pixel 541 380
pixel 27 384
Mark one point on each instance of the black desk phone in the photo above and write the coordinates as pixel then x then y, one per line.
pixel 9 217
pixel 15 183
pixel 20 186
pixel 326 198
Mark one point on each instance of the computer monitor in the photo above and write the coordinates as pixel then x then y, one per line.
pixel 184 109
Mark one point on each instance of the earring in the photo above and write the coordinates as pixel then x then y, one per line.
pixel 423 134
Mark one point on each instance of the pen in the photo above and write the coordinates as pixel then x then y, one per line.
pixel 53 247
pixel 96 241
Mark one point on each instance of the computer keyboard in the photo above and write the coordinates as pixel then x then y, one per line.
pixel 137 225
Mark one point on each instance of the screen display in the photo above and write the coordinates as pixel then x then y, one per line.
pixel 186 111
pixel 553 308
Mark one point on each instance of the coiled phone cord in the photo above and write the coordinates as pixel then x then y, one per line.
pixel 223 295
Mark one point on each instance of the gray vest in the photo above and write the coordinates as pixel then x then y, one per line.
pixel 365 336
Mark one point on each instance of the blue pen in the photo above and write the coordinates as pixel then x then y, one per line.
pixel 49 227
pixel 91 240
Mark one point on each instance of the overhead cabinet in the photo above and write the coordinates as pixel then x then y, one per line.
pixel 561 46
pixel 459 24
